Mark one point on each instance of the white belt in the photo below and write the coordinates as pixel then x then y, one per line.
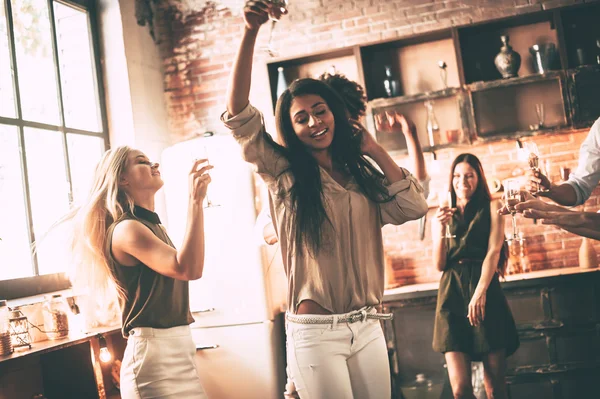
pixel 352 317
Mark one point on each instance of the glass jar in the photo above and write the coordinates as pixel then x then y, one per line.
pixel 5 340
pixel 56 321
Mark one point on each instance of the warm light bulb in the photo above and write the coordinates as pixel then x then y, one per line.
pixel 105 355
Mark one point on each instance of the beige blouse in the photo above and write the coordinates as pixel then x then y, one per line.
pixel 348 273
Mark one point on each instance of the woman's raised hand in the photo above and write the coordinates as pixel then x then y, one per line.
pixel 256 13
pixel 198 180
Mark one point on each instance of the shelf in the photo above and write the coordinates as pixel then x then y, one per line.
pixel 390 102
pixel 521 80
pixel 515 134
pixel 449 111
pixel 581 30
pixel 413 63
pixel 478 103
pixel 479 44
pixel 312 66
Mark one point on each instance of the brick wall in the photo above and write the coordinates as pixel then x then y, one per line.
pixel 199 44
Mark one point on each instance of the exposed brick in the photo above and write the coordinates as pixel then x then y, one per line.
pixel 197 60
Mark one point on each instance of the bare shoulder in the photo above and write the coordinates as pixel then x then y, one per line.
pixel 128 231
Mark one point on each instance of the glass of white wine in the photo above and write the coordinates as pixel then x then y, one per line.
pixel 534 163
pixel 279 8
pixel 512 196
pixel 204 154
pixel 445 201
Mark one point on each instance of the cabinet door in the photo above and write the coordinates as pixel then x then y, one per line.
pixel 534 389
pixel 241 362
pixel 584 86
pixel 21 378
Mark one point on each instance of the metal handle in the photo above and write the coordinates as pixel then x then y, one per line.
pixel 548 325
pixel 206 347
pixel 207 310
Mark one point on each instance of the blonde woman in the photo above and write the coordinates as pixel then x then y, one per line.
pixel 122 250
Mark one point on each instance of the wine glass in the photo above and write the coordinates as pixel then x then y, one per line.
pixel 204 154
pixel 445 201
pixel 279 8
pixel 539 111
pixel 534 163
pixel 512 196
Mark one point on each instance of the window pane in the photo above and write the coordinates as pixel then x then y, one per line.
pixel 76 68
pixel 15 252
pixel 7 99
pixel 49 192
pixel 33 45
pixel 84 154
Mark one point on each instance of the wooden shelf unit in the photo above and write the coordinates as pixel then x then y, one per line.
pixel 477 102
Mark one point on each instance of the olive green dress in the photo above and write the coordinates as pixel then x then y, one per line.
pixel 452 331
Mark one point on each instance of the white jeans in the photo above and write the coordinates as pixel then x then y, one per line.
pixel 338 360
pixel 160 363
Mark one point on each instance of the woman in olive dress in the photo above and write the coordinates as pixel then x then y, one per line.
pixel 473 321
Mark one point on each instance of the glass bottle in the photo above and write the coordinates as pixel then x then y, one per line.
pixel 56 321
pixel 281 82
pixel 433 128
pixel 390 84
pixel 5 340
pixel 587 255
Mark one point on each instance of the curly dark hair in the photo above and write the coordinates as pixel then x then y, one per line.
pixel 351 92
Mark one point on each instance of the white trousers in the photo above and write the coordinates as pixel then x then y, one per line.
pixel 160 363
pixel 338 360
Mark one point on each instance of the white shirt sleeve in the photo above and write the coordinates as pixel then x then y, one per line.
pixel 587 175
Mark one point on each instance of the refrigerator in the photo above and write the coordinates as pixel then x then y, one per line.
pixel 238 329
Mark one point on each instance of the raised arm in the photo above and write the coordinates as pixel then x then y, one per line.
pixel 256 13
pixel 132 242
pixel 392 122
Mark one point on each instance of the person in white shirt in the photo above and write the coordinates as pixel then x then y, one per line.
pixel 583 181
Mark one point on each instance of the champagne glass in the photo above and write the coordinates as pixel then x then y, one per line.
pixel 534 163
pixel 512 196
pixel 279 8
pixel 445 201
pixel 204 154
pixel 539 111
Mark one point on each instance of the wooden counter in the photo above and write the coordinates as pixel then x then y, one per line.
pixel 65 368
pixel 416 290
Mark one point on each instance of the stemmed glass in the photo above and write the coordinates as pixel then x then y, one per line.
pixel 539 111
pixel 204 154
pixel 279 8
pixel 512 196
pixel 445 201
pixel 534 163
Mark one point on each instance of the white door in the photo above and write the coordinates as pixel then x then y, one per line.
pixel 232 288
pixel 241 362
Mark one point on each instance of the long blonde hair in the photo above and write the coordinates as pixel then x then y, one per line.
pixel 106 203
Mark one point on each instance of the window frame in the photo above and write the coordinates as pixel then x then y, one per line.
pixel 42 284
